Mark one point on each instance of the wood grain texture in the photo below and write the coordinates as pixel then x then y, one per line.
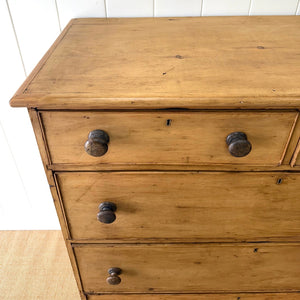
pixel 292 156
pixel 41 141
pixel 183 205
pixel 35 265
pixel 115 75
pixel 294 136
pixel 167 167
pixel 281 296
pixel 148 138
pixel 75 269
pixel 40 65
pixel 42 144
pixel 145 63
pixel 191 267
pixel 296 159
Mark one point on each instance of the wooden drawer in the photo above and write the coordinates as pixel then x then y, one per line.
pixel 262 296
pixel 190 267
pixel 168 137
pixel 183 205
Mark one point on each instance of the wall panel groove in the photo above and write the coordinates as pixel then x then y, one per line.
pixel 14 30
pixel 298 8
pixel 105 7
pixel 250 6
pixel 69 9
pixel 58 18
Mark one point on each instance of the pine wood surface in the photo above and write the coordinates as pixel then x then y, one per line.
pixel 191 137
pixel 183 205
pixel 168 167
pixel 119 75
pixel 199 62
pixel 294 138
pixel 191 267
pixel 41 141
pixel 296 157
pixel 35 265
pixel 264 296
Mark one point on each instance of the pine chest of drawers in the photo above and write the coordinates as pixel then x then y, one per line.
pixel 171 150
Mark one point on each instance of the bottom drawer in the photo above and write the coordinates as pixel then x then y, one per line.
pixel 281 296
pixel 190 268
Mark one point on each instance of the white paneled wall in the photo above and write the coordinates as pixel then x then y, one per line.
pixel 28 28
pixel 36 25
pixel 225 7
pixel 132 8
pixel 279 7
pixel 25 201
pixel 178 8
pixel 68 9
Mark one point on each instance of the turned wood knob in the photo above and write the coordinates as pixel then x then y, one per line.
pixel 96 145
pixel 106 212
pixel 113 278
pixel 238 145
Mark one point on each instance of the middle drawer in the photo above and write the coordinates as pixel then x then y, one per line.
pixel 182 205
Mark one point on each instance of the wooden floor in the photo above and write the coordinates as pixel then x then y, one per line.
pixel 35 265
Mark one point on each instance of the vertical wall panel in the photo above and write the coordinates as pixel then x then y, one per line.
pixel 25 200
pixel 13 200
pixel 11 72
pixel 225 7
pixel 273 7
pixel 12 192
pixel 69 9
pixel 129 8
pixel 171 8
pixel 298 10
pixel 36 25
pixel 18 129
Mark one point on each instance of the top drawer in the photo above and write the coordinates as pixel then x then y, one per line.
pixel 168 137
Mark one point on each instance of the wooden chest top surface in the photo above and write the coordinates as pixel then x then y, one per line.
pixel 150 63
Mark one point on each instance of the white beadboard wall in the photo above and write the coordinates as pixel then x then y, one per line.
pixel 28 28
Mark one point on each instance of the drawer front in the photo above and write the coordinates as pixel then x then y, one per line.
pixel 262 296
pixel 167 137
pixel 191 267
pixel 183 205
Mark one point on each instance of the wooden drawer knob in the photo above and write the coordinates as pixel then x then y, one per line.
pixel 96 145
pixel 238 145
pixel 113 278
pixel 106 212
